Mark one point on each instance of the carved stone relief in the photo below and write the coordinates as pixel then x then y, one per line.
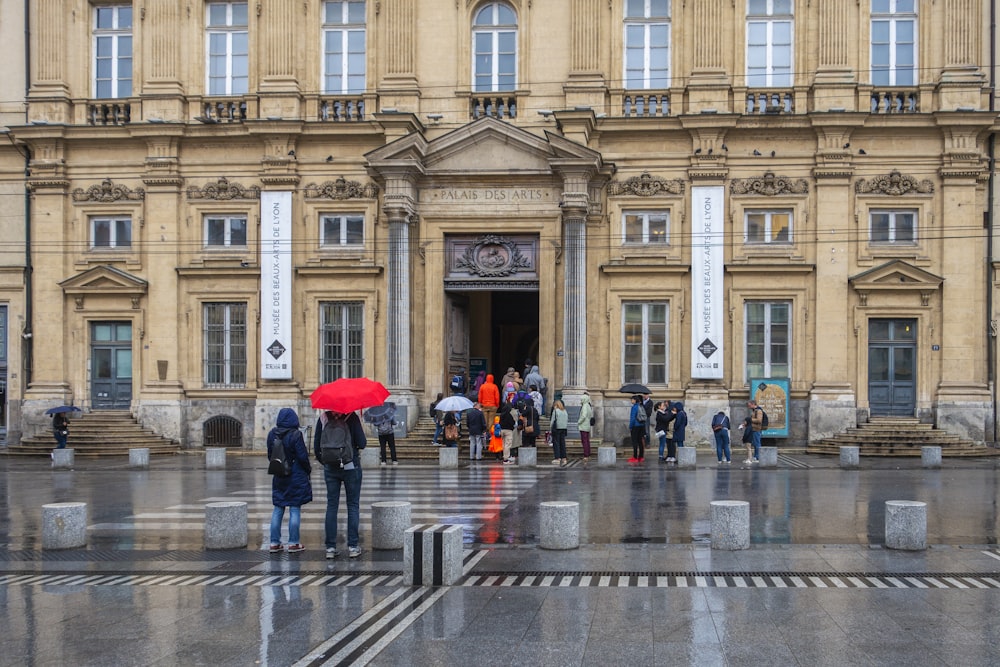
pixel 769 185
pixel 645 185
pixel 223 190
pixel 108 192
pixel 894 184
pixel 341 189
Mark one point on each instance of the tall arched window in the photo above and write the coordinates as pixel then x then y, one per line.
pixel 494 49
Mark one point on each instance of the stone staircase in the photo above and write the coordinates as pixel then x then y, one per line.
pixel 101 433
pixel 898 436
pixel 417 444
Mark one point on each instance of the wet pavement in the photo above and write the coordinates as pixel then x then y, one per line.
pixel 816 587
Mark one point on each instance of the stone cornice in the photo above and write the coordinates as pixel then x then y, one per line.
pixel 280 179
pixel 47 184
pixel 169 181
pixel 894 184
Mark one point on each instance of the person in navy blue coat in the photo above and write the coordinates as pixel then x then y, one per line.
pixel 680 423
pixel 295 490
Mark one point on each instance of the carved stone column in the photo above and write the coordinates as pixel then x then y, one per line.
pixel 574 296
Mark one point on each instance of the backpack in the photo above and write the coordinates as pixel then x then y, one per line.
pixel 763 420
pixel 279 465
pixel 497 431
pixel 336 445
pixel 451 431
pixel 640 414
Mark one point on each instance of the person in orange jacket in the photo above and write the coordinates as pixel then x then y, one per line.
pixel 489 397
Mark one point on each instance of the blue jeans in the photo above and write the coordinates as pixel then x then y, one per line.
pixel 663 443
pixel 351 479
pixel 438 427
pixel 722 451
pixel 294 519
pixel 60 439
pixel 756 444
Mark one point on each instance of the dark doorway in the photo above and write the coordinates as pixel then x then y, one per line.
pixel 892 362
pixel 514 331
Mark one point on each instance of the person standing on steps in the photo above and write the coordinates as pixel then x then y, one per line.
pixel 437 417
pixel 489 398
pixel 476 422
pixel 60 429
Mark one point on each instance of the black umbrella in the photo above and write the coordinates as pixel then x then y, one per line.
pixel 380 413
pixel 62 408
pixel 635 388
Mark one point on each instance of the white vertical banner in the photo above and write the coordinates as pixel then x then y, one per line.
pixel 707 269
pixel 276 285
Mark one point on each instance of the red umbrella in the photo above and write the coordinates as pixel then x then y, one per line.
pixel 349 394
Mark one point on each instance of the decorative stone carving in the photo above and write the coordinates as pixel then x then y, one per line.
pixel 341 189
pixel 894 184
pixel 492 257
pixel 108 192
pixel 645 185
pixel 223 190
pixel 769 185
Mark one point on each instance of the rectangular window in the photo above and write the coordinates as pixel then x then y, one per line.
pixel 341 230
pixel 644 343
pixel 769 43
pixel 768 339
pixel 344 47
pixel 225 335
pixel 112 52
pixel 773 227
pixel 111 232
pixel 341 340
pixel 225 231
pixel 894 47
pixel 646 228
pixel 893 227
pixel 647 44
pixel 228 48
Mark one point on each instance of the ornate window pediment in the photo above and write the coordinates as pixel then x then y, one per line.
pixel 896 276
pixel 223 190
pixel 894 184
pixel 769 185
pixel 645 185
pixel 107 191
pixel 341 189
pixel 105 280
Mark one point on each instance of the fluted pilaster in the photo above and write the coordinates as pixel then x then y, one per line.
pixel 401 22
pixel 279 37
pixel 163 18
pixel 961 19
pixel 585 36
pixel 51 56
pixel 708 16
pixel 398 315
pixel 834 16
pixel 575 289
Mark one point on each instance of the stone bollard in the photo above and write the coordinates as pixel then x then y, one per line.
pixel 905 525
pixel 225 525
pixel 850 457
pixel 369 457
pixel 768 457
pixel 559 523
pixel 390 519
pixel 64 525
pixel 930 456
pixel 215 458
pixel 606 456
pixel 448 457
pixel 432 555
pixel 527 457
pixel 138 457
pixel 730 525
pixel 687 458
pixel 63 459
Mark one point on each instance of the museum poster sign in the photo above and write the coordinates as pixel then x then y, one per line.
pixel 772 395
pixel 707 268
pixel 276 285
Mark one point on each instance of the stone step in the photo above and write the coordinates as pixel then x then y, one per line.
pixel 99 433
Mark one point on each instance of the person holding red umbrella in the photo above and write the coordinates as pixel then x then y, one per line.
pixel 335 475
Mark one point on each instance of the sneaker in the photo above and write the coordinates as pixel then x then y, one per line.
pixel 383 463
pixel 274 548
pixel 353 552
pixel 642 459
pixel 555 462
pixel 508 462
pixel 395 463
pixel 633 460
pixel 331 553
pixel 748 461
pixel 756 460
pixel 295 548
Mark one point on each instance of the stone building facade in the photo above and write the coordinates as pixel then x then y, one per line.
pixel 234 202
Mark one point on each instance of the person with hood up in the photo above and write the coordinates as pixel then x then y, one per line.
pixel 292 491
pixel 680 423
pixel 585 423
pixel 489 398
pixel 509 392
pixel 509 376
pixel 534 379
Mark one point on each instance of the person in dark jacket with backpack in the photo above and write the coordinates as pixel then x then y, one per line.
pixel 680 423
pixel 292 491
pixel 335 475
